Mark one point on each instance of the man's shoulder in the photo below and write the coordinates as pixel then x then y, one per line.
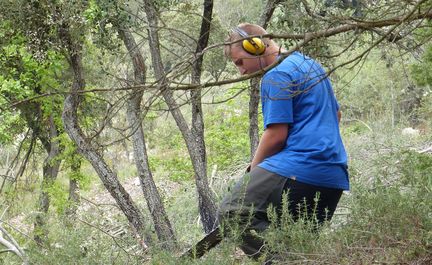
pixel 285 69
pixel 290 63
pixel 285 66
pixel 276 75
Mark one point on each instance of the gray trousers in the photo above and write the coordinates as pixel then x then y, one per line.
pixel 247 203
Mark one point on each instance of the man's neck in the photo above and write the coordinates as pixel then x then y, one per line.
pixel 273 53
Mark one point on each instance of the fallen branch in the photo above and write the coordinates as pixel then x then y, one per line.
pixel 426 150
pixel 11 245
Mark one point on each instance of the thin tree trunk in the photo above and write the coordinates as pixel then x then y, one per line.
pixel 268 12
pixel 205 195
pixel 154 202
pixel 207 206
pixel 73 186
pixel 254 93
pixel 70 121
pixel 255 83
pixel 46 131
pixel 50 171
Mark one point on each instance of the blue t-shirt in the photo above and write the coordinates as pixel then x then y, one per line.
pixel 298 92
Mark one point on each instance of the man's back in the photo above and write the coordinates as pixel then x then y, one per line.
pixel 299 93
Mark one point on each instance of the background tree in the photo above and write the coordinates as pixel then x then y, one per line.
pixel 70 121
pixel 193 137
pixel 24 76
pixel 160 219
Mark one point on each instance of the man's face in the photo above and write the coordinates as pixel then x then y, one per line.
pixel 245 62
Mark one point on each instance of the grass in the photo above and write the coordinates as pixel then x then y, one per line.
pixel 385 218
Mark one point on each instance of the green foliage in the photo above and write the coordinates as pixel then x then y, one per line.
pixel 386 222
pixel 11 125
pixel 83 179
pixel 59 197
pixel 425 110
pixel 386 217
pixel 421 71
pixel 182 5
pixel 102 18
pixel 179 42
pixel 300 236
pixel 227 127
pixel 395 216
pixel 173 160
pixel 81 244
pixel 72 160
pixel 22 76
pixel 226 136
pixel 380 92
pixel 355 128
pixel 416 173
pixel 177 166
pixel 231 17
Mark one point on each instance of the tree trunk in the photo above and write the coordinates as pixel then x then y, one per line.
pixel 74 187
pixel 255 84
pixel 254 99
pixel 205 195
pixel 45 131
pixel 268 12
pixel 161 221
pixel 70 121
pixel 195 146
pixel 50 171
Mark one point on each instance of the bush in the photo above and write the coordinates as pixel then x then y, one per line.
pixel 386 223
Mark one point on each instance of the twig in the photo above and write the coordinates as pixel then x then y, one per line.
pixel 97 205
pixel 106 233
pixel 307 37
pixel 426 150
pixel 19 231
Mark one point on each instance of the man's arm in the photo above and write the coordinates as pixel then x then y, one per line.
pixel 339 116
pixel 272 141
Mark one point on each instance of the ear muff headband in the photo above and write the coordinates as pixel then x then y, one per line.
pixel 254 46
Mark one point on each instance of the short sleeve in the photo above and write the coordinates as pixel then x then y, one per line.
pixel 277 91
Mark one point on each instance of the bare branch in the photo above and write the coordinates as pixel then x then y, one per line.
pixel 349 25
pixel 11 245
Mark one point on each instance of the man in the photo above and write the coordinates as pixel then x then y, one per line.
pixel 300 152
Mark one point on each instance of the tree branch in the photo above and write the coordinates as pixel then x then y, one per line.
pixel 351 25
pixel 11 245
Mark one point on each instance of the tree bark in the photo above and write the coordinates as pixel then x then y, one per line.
pixel 255 83
pixel 205 195
pixel 50 171
pixel 161 221
pixel 70 121
pixel 254 92
pixel 74 198
pixel 194 145
pixel 268 12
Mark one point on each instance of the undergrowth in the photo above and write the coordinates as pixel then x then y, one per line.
pixel 386 217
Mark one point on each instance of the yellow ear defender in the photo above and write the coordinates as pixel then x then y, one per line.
pixel 254 46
